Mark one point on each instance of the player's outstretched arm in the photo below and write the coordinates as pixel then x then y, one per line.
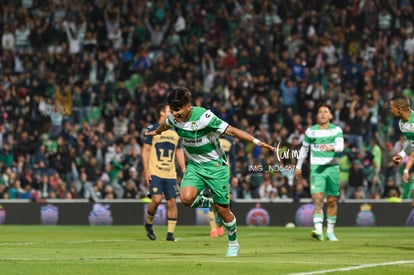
pixel 235 132
pixel 161 128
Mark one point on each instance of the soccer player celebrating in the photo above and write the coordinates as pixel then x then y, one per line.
pixel 400 109
pixel 158 156
pixel 325 141
pixel 207 165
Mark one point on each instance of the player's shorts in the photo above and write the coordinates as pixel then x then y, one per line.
pixel 168 187
pixel 214 175
pixel 325 179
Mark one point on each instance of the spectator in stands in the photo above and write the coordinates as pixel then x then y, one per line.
pixel 96 47
pixel 356 179
pixel 8 41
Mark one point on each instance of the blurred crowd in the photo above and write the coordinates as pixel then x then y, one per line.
pixel 80 81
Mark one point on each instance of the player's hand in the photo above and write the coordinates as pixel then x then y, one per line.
pixel 397 159
pixel 325 148
pixel 147 178
pixel 405 177
pixel 265 145
pixel 298 173
pixel 151 133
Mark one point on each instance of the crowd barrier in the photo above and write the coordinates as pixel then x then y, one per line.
pixel 253 212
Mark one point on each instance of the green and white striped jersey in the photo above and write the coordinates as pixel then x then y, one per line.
pixel 201 135
pixel 407 129
pixel 315 137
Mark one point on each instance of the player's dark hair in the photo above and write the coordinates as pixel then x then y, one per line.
pixel 401 101
pixel 324 105
pixel 178 98
pixel 160 108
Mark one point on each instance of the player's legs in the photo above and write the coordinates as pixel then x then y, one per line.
pixel 151 211
pixel 218 182
pixel 155 191
pixel 171 191
pixel 216 230
pixel 318 215
pixel 230 224
pixel 153 206
pixel 331 206
pixel 331 210
pixel 318 185
pixel 172 214
pixel 216 177
pixel 332 192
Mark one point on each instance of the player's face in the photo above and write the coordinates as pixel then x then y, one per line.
pixel 164 113
pixel 182 114
pixel 167 110
pixel 324 115
pixel 394 110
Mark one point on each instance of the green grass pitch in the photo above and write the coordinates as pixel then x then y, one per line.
pixel 264 250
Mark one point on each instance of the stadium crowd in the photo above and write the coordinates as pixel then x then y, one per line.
pixel 80 81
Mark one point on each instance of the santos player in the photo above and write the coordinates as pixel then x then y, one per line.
pixel 207 165
pixel 325 141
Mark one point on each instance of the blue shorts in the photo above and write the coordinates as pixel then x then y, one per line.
pixel 168 187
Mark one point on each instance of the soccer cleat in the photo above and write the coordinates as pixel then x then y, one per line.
pixel 331 237
pixel 317 236
pixel 233 250
pixel 170 237
pixel 220 231
pixel 214 233
pixel 150 232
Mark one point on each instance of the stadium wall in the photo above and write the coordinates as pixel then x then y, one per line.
pixel 255 213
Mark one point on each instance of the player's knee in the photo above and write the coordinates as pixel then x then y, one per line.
pixel 156 200
pixel 188 195
pixel 318 205
pixel 331 202
pixel 186 200
pixel 171 203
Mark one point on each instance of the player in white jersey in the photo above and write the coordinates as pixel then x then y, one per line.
pixel 400 109
pixel 207 164
pixel 325 140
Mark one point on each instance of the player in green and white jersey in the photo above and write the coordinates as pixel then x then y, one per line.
pixel 207 164
pixel 325 140
pixel 400 109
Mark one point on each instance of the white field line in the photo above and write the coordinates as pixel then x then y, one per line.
pixel 152 259
pixel 65 242
pixel 207 260
pixel 354 267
